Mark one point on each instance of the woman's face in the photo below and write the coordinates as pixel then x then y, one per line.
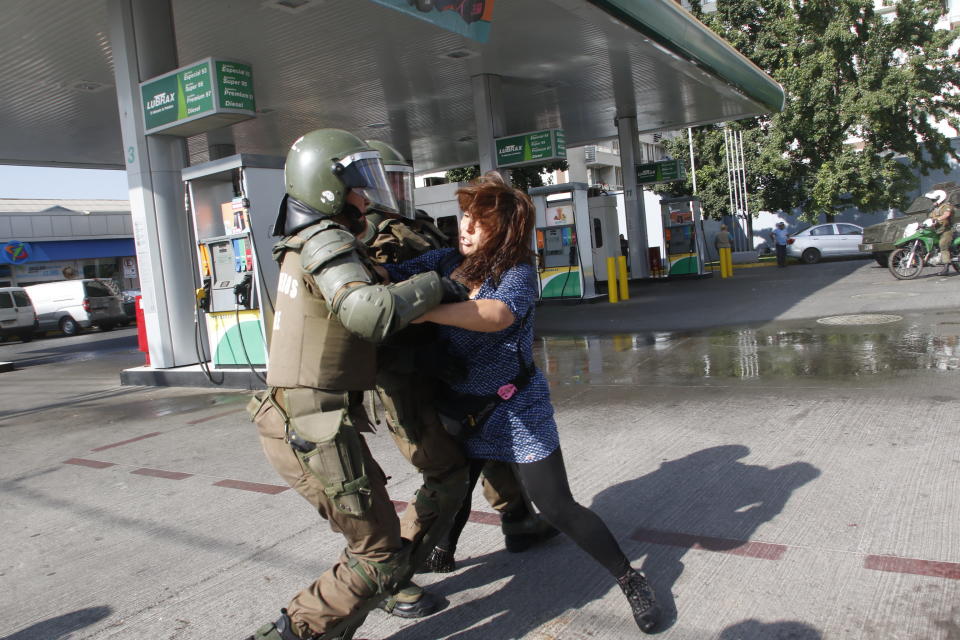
pixel 472 235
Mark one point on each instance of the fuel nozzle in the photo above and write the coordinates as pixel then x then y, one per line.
pixel 203 296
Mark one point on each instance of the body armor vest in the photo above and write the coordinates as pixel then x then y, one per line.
pixel 309 346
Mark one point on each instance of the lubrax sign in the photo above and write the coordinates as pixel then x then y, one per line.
pixel 531 148
pixel 199 97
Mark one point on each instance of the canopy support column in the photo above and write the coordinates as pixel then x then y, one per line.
pixel 144 46
pixel 633 197
pixel 488 110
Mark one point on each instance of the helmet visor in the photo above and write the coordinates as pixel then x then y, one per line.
pixel 400 178
pixel 364 172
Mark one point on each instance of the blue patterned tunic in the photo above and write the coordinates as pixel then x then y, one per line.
pixel 522 428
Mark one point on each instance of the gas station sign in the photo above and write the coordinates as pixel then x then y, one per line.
pixel 199 97
pixel 663 171
pixel 531 148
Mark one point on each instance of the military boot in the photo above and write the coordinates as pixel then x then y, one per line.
pixel 410 602
pixel 641 599
pixel 522 530
pixel 282 629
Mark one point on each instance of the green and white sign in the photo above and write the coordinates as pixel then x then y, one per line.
pixel 663 171
pixel 199 97
pixel 531 148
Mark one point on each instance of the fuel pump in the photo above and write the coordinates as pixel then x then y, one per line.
pixel 574 235
pixel 233 201
pixel 683 241
pixel 559 267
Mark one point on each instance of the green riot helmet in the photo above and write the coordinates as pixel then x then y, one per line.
pixel 324 164
pixel 399 175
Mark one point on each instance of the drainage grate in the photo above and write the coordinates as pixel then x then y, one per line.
pixel 860 319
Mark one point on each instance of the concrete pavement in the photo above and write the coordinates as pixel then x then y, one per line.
pixel 776 477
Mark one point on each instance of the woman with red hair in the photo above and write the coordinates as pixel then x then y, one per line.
pixel 501 408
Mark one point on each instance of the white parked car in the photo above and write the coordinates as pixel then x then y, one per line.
pixel 73 305
pixel 826 241
pixel 17 315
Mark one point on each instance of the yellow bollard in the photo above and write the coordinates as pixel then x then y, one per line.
pixel 612 279
pixel 726 263
pixel 624 281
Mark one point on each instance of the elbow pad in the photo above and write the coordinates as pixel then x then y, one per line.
pixel 373 312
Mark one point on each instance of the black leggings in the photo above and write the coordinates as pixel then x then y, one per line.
pixel 545 484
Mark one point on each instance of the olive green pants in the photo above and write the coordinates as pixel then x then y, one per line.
pixel 946 239
pixel 372 538
pixel 423 441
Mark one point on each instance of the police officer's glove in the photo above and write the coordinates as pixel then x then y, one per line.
pixel 453 291
pixel 435 361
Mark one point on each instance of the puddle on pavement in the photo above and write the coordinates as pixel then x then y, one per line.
pixel 812 352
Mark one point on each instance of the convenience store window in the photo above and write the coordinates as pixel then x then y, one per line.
pixel 100 268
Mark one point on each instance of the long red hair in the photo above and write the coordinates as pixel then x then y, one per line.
pixel 507 216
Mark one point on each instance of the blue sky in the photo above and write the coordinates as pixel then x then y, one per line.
pixel 44 182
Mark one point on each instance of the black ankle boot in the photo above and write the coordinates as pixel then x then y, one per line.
pixel 641 599
pixel 439 561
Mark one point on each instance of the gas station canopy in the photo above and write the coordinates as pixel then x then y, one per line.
pixel 367 68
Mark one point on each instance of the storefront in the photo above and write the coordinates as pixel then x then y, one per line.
pixel 46 241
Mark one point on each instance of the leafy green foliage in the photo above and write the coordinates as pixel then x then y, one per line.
pixel 523 178
pixel 863 94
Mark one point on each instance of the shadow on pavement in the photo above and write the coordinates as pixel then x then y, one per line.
pixel 756 630
pixel 52 351
pixel 708 496
pixel 62 627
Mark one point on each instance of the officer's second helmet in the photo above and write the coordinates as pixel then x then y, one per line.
pixel 323 165
pixel 399 175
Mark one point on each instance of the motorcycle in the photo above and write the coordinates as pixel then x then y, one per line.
pixel 919 248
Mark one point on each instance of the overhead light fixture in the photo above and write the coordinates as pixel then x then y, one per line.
pixel 466 139
pixel 291 6
pixel 89 86
pixel 265 111
pixel 376 125
pixel 459 54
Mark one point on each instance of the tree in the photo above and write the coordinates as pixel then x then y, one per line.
pixel 523 178
pixel 864 93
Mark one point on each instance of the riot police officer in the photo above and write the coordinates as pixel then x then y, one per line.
pixel 330 313
pixel 407 361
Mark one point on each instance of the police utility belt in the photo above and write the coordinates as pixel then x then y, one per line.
pixel 463 414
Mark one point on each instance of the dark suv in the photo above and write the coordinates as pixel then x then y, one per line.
pixel 879 239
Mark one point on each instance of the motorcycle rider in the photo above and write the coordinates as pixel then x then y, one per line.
pixel 397 237
pixel 330 313
pixel 943 216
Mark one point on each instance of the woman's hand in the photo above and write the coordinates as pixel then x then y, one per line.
pixel 382 273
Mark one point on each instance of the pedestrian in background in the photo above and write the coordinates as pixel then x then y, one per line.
pixel 779 237
pixel 723 246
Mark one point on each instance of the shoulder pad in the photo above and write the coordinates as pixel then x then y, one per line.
pixel 321 245
pixel 297 240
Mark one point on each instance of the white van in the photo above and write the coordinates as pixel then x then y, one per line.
pixel 17 315
pixel 72 305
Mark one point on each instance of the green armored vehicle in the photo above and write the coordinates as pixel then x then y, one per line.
pixel 879 239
